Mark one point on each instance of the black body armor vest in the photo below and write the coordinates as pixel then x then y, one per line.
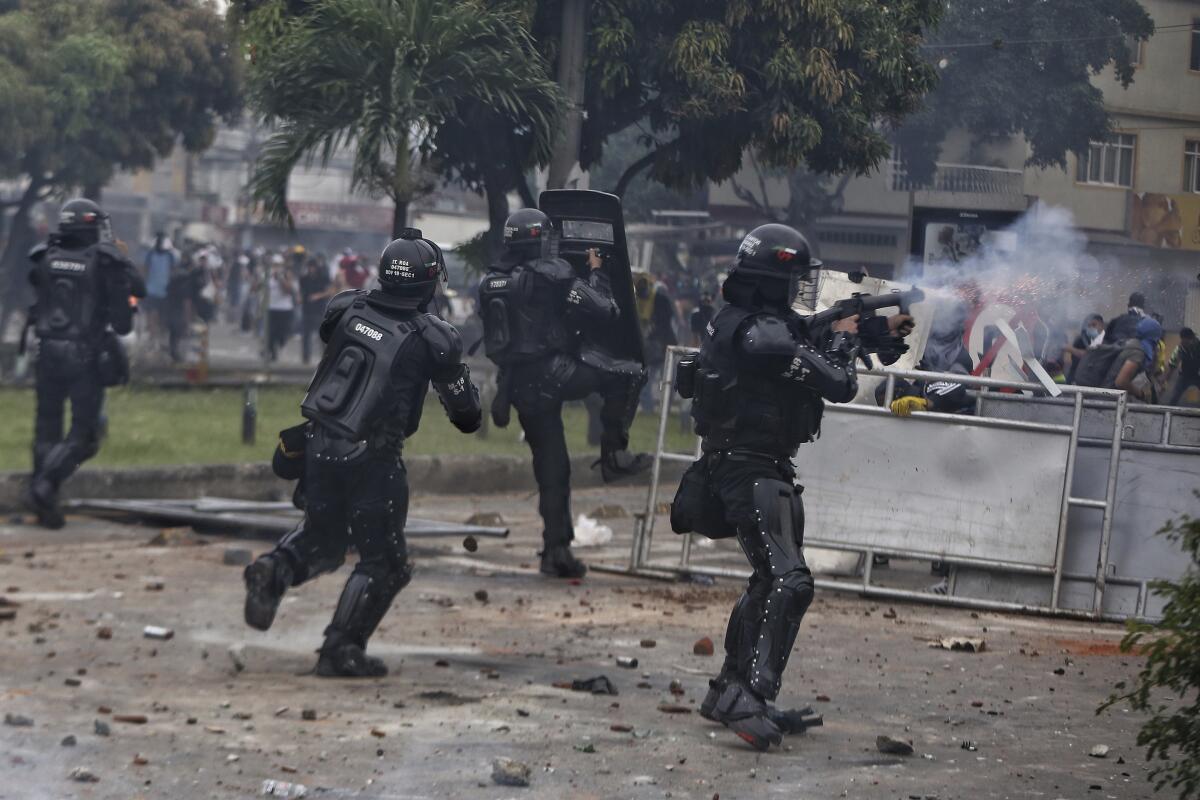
pixel 352 392
pixel 68 294
pixel 524 311
pixel 738 408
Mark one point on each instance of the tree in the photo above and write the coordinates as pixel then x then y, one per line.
pixel 1024 67
pixel 89 88
pixel 384 77
pixel 1172 668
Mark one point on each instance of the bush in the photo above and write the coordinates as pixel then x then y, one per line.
pixel 1172 650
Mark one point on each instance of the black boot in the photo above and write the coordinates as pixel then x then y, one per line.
pixel 708 708
pixel 348 660
pixel 266 581
pixel 618 464
pixel 558 561
pixel 747 715
pixel 43 501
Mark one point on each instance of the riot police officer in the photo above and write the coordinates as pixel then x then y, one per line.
pixel 83 283
pixel 383 351
pixel 536 312
pixel 758 387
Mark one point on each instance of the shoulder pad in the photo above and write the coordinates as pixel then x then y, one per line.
pixel 555 269
pixel 343 300
pixel 110 253
pixel 766 335
pixel 37 251
pixel 444 342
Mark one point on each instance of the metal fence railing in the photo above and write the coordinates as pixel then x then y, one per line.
pixel 997 493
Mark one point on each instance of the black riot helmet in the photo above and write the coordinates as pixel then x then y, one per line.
pixel 525 229
pixel 410 268
pixel 83 220
pixel 774 251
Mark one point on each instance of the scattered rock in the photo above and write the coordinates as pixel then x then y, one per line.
pixel 486 519
pixel 647 643
pixel 236 556
pixel 132 719
pixel 242 715
pixel 72 682
pixel 104 632
pixel 822 698
pixel 609 511
pixel 969 746
pixel 890 613
pixel 673 708
pixel 892 746
pixel 628 662
pixel 585 748
pixel 377 733
pixel 1060 671
pixel 960 644
pixel 237 655
pixel 308 714
pixel 18 721
pixel 481 595
pixel 101 728
pixel 217 729
pixel 140 760
pixel 597 685
pixel 68 741
pixel 176 537
pixel 703 647
pixel 1099 751
pixel 507 772
pixel 155 585
pixel 445 698
pixel 470 544
pixel 644 780
pixel 83 775
pixel 676 688
pixel 620 728
pixel 155 632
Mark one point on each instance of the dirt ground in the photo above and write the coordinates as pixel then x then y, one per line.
pixel 473 678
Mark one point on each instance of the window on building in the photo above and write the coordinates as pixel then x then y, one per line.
pixel 1109 163
pixel 1191 167
pixel 1195 62
pixel 1137 50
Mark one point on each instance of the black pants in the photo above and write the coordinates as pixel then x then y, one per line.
pixel 310 325
pixel 361 502
pixel 66 371
pixel 753 497
pixel 538 392
pixel 279 330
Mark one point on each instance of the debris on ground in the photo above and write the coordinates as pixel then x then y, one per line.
pixel 140 760
pixel 68 741
pixel 961 644
pixel 699 578
pixel 308 714
pixel 8 609
pixel 644 780
pixel 132 719
pixel 470 544
pixel 585 748
pixel 648 643
pixel 155 632
pixel 507 772
pixel 890 613
pixel 177 537
pixel 609 511
pixel 237 655
pixel 618 727
pixel 486 519
pixel 589 533
pixel 673 708
pixel 101 728
pixel 481 595
pixel 703 647
pixel 627 662
pixel 104 632
pixel 597 685
pixel 83 775
pixel 236 557
pixel 18 721
pixel 890 745
pixel 292 791
pixel 155 585
pixel 1099 751
pixel 969 746
pixel 676 688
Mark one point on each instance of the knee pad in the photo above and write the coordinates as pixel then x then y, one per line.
pixel 795 592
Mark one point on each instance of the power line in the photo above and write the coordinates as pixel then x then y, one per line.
pixel 1000 43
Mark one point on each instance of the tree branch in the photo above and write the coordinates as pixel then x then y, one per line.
pixel 632 171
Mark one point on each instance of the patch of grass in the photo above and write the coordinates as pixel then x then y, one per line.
pixel 151 426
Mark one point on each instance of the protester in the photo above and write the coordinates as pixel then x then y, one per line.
pixel 281 306
pixel 1125 326
pixel 352 273
pixel 701 315
pixel 160 263
pixel 1130 370
pixel 315 290
pixel 1091 336
pixel 1184 366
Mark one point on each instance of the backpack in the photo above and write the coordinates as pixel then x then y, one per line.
pixel 1095 364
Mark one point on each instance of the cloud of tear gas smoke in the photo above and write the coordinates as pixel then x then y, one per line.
pixel 1040 260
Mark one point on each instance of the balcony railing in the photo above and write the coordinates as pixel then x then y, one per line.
pixel 962 178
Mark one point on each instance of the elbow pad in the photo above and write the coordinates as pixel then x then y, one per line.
pixel 593 298
pixel 831 375
pixel 460 398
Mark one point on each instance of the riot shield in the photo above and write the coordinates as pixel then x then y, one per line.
pixel 584 219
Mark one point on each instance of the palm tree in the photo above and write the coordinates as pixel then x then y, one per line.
pixel 382 77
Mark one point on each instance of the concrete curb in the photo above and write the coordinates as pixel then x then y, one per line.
pixel 472 474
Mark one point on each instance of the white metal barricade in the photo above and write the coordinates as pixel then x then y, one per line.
pixel 1000 502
